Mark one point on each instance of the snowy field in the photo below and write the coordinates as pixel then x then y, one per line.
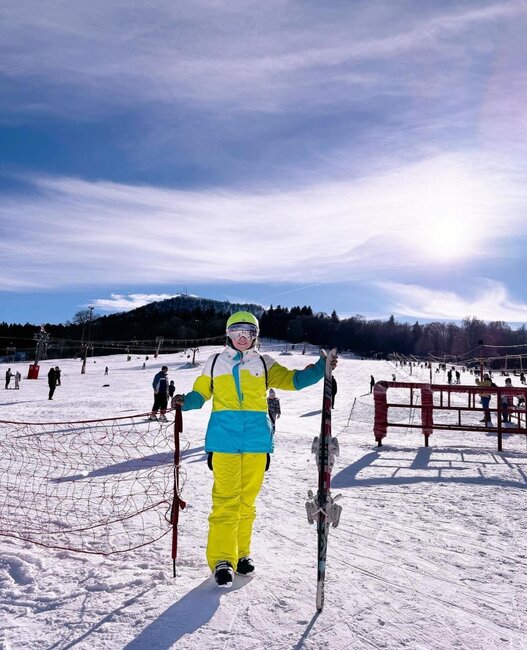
pixel 430 552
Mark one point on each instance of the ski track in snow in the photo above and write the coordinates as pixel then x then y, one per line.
pixel 429 553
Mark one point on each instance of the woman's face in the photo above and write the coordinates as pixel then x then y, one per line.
pixel 242 336
pixel 243 343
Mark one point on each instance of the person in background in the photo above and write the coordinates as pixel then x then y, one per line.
pixel 52 382
pixel 507 402
pixel 333 391
pixel 18 377
pixel 160 386
pixel 106 370
pixel 57 375
pixel 171 389
pixel 240 436
pixel 485 398
pixel 372 383
pixel 273 408
pixel 8 375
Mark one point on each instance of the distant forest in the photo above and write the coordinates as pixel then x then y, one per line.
pixel 180 327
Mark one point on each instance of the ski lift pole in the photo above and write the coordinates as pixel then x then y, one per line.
pixel 177 503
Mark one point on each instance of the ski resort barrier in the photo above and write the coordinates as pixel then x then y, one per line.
pixel 435 403
pixel 93 486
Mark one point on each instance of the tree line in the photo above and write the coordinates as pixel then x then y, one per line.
pixel 193 326
pixel 382 337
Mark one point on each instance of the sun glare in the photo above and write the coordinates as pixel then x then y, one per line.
pixel 451 218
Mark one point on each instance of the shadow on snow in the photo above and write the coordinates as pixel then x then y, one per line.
pixel 136 464
pixel 422 462
pixel 186 616
pixel 311 414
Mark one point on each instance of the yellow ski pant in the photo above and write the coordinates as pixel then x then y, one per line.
pixel 237 482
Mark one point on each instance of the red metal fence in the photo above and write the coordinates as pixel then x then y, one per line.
pixel 431 399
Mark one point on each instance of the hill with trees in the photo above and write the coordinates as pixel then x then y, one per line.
pixel 187 321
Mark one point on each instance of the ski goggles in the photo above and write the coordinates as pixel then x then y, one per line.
pixel 236 332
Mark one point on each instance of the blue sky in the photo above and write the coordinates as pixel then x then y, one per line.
pixel 368 157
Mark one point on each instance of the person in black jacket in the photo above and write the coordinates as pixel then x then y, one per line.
pixel 52 382
pixel 8 378
pixel 160 386
pixel 333 391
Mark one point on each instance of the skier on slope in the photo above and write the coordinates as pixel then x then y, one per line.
pixel 240 436
pixel 160 386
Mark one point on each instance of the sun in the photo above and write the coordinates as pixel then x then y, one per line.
pixel 448 236
pixel 450 218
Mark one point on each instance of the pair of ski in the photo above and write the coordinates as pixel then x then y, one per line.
pixel 322 507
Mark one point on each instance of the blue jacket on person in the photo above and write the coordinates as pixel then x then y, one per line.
pixel 159 380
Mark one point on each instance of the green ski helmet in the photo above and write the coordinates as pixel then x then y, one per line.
pixel 243 317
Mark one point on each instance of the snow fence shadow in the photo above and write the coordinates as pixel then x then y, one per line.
pixel 404 466
pixel 136 464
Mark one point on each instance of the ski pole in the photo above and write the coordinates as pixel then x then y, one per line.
pixel 177 502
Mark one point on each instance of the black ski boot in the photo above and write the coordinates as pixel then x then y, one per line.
pixel 223 574
pixel 245 566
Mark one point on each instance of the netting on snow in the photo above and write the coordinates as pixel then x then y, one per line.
pixel 101 486
pixel 362 411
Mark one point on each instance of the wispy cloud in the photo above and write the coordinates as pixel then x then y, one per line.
pixel 251 55
pixel 490 301
pixel 253 90
pixel 441 210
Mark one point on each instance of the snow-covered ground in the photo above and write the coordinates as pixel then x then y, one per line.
pixel 430 552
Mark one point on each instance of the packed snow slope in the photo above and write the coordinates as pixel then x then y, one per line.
pixel 430 552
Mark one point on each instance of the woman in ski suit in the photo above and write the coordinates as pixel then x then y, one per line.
pixel 240 435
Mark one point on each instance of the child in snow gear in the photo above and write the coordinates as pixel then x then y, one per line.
pixel 171 389
pixel 273 408
pixel 160 386
pixel 240 435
